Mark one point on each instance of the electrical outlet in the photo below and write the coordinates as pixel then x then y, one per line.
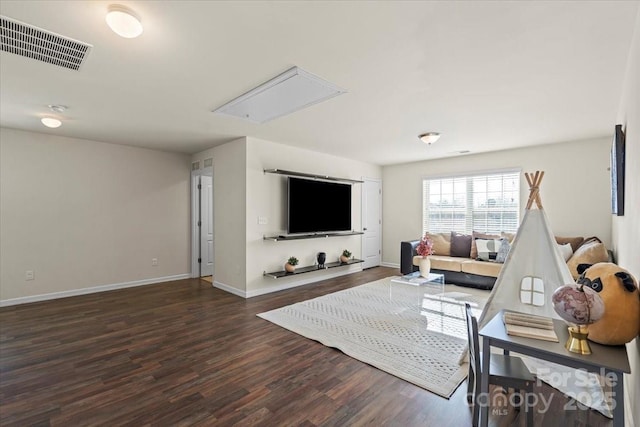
pixel 29 275
pixel 154 261
pixel 262 220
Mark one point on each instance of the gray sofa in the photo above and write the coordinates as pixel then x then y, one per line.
pixel 482 274
pixel 461 271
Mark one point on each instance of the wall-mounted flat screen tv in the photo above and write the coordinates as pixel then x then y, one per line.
pixel 318 206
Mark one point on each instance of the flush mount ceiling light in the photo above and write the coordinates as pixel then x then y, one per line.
pixel 291 91
pixel 429 137
pixel 50 122
pixel 123 21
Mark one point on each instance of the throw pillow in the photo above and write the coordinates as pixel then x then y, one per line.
pixel 460 244
pixel 591 252
pixel 505 247
pixel 574 241
pixel 477 235
pixel 441 243
pixel 487 249
pixel 566 251
pixel 509 236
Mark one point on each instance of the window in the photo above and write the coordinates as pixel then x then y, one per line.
pixel 488 203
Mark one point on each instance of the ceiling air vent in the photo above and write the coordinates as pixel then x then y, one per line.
pixel 42 45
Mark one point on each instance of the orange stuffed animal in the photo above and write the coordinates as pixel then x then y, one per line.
pixel 619 292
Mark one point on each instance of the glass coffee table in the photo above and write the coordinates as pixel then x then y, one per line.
pixel 434 281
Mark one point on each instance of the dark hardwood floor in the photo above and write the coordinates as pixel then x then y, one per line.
pixel 184 353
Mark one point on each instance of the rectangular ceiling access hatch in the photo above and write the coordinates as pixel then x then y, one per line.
pixel 41 45
pixel 291 91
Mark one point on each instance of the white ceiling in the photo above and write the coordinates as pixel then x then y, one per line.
pixel 487 75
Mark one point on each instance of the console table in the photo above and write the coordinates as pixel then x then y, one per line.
pixel 610 360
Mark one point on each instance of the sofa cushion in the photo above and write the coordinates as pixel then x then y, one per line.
pixel 481 268
pixel 460 245
pixel 448 263
pixel 503 252
pixel 441 243
pixel 574 241
pixel 508 236
pixel 591 252
pixel 566 251
pixel 487 248
pixel 477 235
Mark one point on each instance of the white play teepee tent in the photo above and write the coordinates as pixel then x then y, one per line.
pixel 534 268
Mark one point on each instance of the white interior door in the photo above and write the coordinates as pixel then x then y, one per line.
pixel 371 222
pixel 206 228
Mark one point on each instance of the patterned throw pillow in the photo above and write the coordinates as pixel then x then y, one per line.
pixel 505 247
pixel 488 249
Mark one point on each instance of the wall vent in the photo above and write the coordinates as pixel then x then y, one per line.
pixel 41 45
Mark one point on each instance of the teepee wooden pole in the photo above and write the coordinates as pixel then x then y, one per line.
pixel 534 181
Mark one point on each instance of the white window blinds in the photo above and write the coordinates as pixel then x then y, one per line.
pixel 488 203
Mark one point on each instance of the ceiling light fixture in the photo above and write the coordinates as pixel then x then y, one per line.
pixel 123 21
pixel 50 122
pixel 429 137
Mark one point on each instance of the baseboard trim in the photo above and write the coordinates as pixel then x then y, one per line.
pixel 91 290
pixel 230 289
pixel 284 286
pixel 390 264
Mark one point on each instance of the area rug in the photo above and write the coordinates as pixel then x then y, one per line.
pixel 416 333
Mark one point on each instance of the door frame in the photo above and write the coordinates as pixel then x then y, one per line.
pixel 195 217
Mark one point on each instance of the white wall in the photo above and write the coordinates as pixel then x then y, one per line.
pixel 229 190
pixel 575 189
pixel 82 214
pixel 266 196
pixel 626 229
pixel 242 192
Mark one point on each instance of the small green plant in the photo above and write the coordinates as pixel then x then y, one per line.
pixel 292 261
pixel 346 253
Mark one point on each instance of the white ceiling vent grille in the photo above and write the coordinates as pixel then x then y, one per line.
pixel 36 43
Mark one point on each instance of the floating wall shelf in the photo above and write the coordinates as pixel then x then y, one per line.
pixel 311 176
pixel 311 269
pixel 310 236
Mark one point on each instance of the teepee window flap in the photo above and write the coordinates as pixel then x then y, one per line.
pixel 532 291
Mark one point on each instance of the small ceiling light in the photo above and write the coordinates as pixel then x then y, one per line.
pixel 123 21
pixel 429 137
pixel 50 122
pixel 57 108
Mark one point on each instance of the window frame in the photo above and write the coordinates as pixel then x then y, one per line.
pixel 469 208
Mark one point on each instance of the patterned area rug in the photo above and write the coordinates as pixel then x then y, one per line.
pixel 416 333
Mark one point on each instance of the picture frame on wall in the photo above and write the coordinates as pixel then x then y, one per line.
pixel 617 172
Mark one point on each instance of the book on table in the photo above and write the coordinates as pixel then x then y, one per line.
pixel 411 279
pixel 529 326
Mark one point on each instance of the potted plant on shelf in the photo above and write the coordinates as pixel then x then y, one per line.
pixel 424 249
pixel 290 266
pixel 344 258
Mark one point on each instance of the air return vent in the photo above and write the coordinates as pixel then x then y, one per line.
pixel 36 43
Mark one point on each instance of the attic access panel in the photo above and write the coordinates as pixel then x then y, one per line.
pixel 291 91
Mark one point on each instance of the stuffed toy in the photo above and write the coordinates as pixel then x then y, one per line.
pixel 619 292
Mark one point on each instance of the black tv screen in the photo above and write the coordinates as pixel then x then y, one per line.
pixel 318 206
